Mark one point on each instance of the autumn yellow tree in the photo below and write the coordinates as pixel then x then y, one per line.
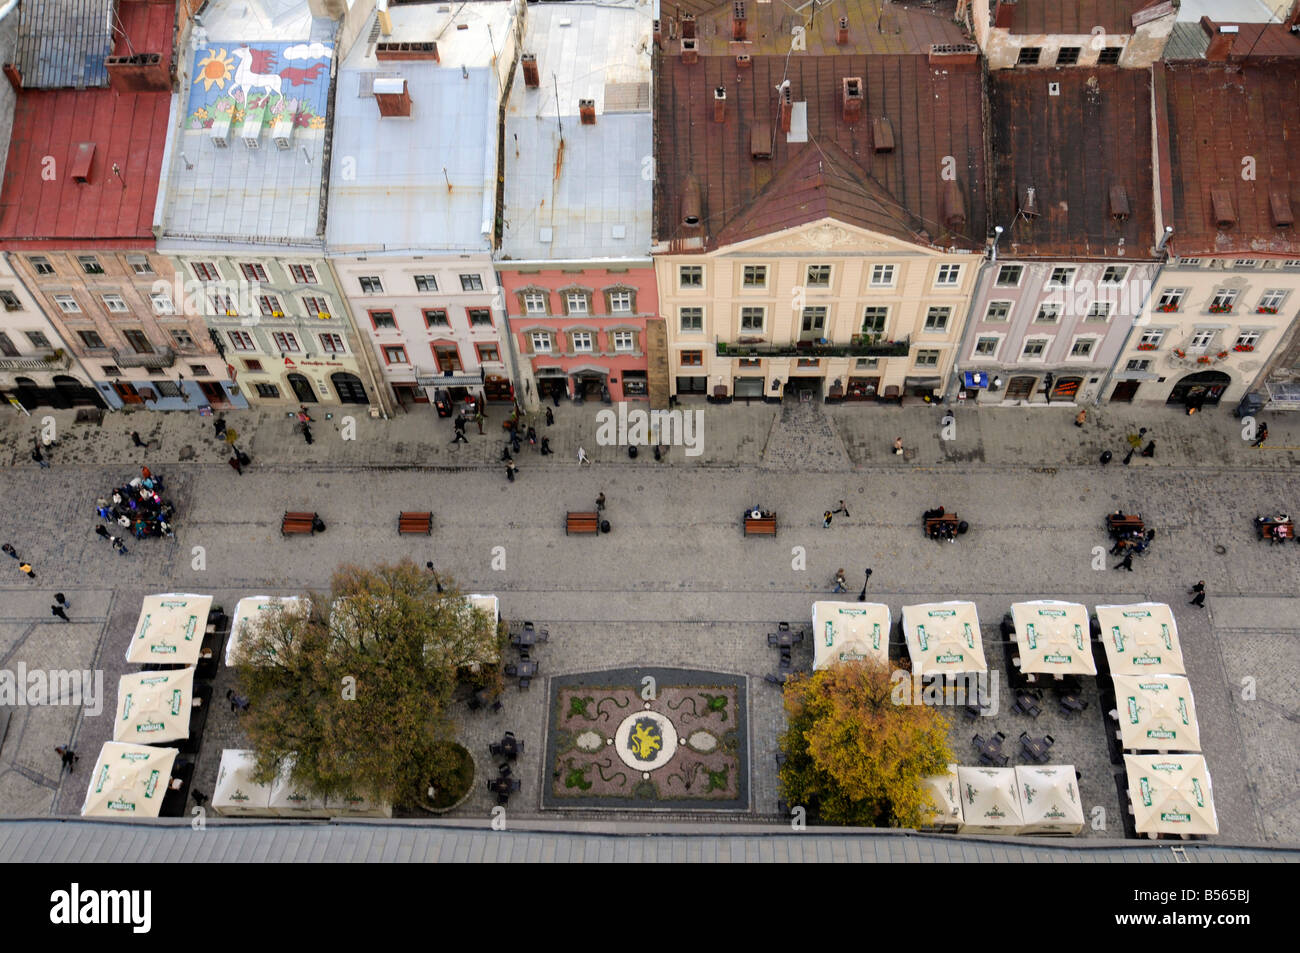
pixel 853 756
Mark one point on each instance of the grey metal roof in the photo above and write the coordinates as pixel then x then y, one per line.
pixel 63 43
pixel 1187 41
pixel 234 841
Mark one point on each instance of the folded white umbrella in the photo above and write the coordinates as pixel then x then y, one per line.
pixel 170 629
pixel 236 792
pixel 1053 638
pixel 850 632
pixel 1170 794
pixel 990 801
pixel 1141 638
pixel 1156 713
pixel 944 638
pixel 154 707
pixel 1049 799
pixel 128 781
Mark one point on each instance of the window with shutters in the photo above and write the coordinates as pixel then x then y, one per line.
pixel 241 340
pixel 284 341
pixel 331 343
pixel 253 271
pixel 302 274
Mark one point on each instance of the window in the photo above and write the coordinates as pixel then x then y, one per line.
pixel 331 343
pixel 223 304
pixel 1061 278
pixel 819 276
pixel 302 274
pixel 10 301
pixel 1137 365
pixel 692 359
pixel 866 363
pixel 394 354
pixel 1029 56
pixel 1201 338
pixel 541 342
pixel 1190 262
pixel 199 370
pixel 241 340
pixel 1114 274
pixel 1291 263
pixel 582 341
pixel 1067 56
pixel 162 303
pixel 620 302
pixel 1270 301
pixel 751 319
pixel 426 283
pixel 269 391
pixel 471 283
pixel 487 353
pixel 38 339
pixel 284 341
pixel 138 341
pixel 814 322
pixel 874 320
pixel 1034 347
pixel 111 370
pixel 690 276
pixel 167 388
pixel 1150 340
pixel 575 302
pixel 41 265
pixel 90 264
pixel 447 356
pixel 1246 263
pixel 534 302
pixel 436 318
pixel 270 306
pixel 882 276
pixel 1082 347
pixel 948 275
pixel 1009 275
pixel 1248 339
pixel 252 271
pixel 927 358
pixel 624 341
pixel 998 310
pixel 383 321
pixel 1223 301
pixel 67 304
pixel 1171 299
pixel 808 362
pixel 750 362
pixel 1109 56
pixel 936 319
pixel 205 271
pixel 317 306
pixel 182 339
pixel 91 340
pixel 479 317
pixel 986 347
pixel 371 285
pixel 755 276
pixel 1100 311
pixel 692 319
pixel 140 264
pixel 252 365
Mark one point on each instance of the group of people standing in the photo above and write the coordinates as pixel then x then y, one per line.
pixel 137 507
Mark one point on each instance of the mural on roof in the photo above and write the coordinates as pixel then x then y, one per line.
pixel 279 80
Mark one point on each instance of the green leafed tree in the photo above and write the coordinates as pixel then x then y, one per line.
pixel 355 686
pixel 853 756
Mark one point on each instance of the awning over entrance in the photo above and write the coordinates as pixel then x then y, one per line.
pixel 450 380
pixel 931 382
pixel 976 379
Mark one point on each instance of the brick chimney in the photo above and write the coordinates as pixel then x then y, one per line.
pixel 587 111
pixel 139 73
pixel 393 97
pixel 786 107
pixel 659 35
pixel 842 34
pixel 851 100
pixel 720 104
pixel 743 61
pixel 690 50
pixel 529 61
pixel 738 21
pixel 1221 38
pixel 688 26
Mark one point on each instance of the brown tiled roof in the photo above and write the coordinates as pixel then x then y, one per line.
pixel 935 114
pixel 875 26
pixel 1072 148
pixel 1074 17
pixel 1217 116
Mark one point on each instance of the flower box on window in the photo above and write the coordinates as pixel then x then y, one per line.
pixel 1146 347
pixel 1264 309
pixel 1242 348
pixel 1221 355
pixel 1179 352
pixel 1203 359
pixel 1166 308
pixel 1220 309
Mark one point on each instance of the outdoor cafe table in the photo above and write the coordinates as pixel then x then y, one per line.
pixel 1036 748
pixel 522 669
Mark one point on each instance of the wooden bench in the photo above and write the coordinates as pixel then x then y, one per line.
pixel 760 525
pixel 1275 530
pixel 581 523
pixel 941 523
pixel 299 523
pixel 415 523
pixel 1122 525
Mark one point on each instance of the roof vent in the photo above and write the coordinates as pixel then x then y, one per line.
pixel 842 33
pixel 529 61
pixel 954 206
pixel 691 202
pixel 760 141
pixel 690 50
pixel 587 111
pixel 81 160
pixel 219 131
pixel 1119 207
pixel 282 132
pixel 387 52
pixel 251 131
pixel 882 134
pixel 738 22
pixel 392 97
pixel 743 61
pixel 720 104
pixel 1029 207
pixel 1279 204
pixel 1053 89
pixel 851 98
pixel 1221 200
pixel 787 106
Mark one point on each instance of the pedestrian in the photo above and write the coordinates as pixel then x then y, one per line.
pixel 1128 457
pixel 237 702
pixel 826 519
pixel 1198 599
pixel 219 425
pixel 102 531
pixel 436 581
pixel 1080 417
pixel 555 396
pixel 199 797
pixel 478 418
pixel 840 581
pixel 600 502
pixel 546 446
pixel 27 569
pixel 532 437
pixel 135 439
pixel 1106 456
pixel 1149 450
pixel 9 548
pixel 510 470
pixel 842 509
pixel 515 441
pixel 58 611
pixel 62 600
pixel 1127 562
pixel 582 457
pixel 1261 435
pixel 303 416
pixel 306 434
pixel 550 417
pixel 67 756
pixel 898 445
pixel 236 465
pixel 118 545
pixel 145 473
pixel 231 435
pixel 40 458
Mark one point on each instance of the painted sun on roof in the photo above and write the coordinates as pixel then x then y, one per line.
pixel 286 80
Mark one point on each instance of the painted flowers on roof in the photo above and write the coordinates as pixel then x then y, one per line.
pixel 275 82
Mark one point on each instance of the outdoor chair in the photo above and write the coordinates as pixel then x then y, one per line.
pixel 524 683
pixel 511 669
pixel 774 679
pixel 783 626
pixel 1049 739
pixel 503 770
pixel 494 749
pixel 515 784
pixel 772 638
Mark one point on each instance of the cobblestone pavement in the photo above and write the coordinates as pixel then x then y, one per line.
pixel 676 583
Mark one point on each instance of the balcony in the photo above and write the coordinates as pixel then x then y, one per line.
pixel 163 357
pixel 52 361
pixel 861 345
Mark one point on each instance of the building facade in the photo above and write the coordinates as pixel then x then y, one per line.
pixel 1022 34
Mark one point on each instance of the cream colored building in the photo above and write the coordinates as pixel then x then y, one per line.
pixel 1128 34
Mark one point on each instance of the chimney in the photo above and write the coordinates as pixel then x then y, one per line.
pixel 738 23
pixel 393 97
pixel 1221 38
pixel 529 61
pixel 852 98
pixel 659 36
pixel 1029 207
pixel 690 52
pixel 786 106
pixel 392 52
pixel 842 34
pixel 139 73
pixel 587 111
pixel 743 61
pixel 688 26
pixel 691 202
pixel 720 104
pixel 1004 14
pixel 14 75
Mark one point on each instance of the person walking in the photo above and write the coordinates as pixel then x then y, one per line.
pixel 26 568
pixel 306 434
pixel 532 436
pixel 40 458
pixel 550 417
pixel 67 756
pixel 842 509
pixel 582 457
pixel 1127 563
pixel 478 418
pixel 236 465
pixel 1128 457
pixel 118 545
pixel 600 502
pixel 460 437
pixel 1198 600
pixel 1149 450
pixel 9 548
pixel 303 416
pixel 58 611
pixel 546 446
pixel 826 519
pixel 511 470
pixel 136 441
pixel 237 702
pixel 898 445
pixel 219 425
pixel 62 600
pixel 840 581
pixel 436 581
pixel 100 530
pixel 1080 417
pixel 1261 435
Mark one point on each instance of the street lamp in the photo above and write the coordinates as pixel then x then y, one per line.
pixel 862 596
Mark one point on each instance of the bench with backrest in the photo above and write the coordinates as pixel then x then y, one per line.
pixel 295 523
pixel 764 525
pixel 1123 524
pixel 415 523
pixel 581 523
pixel 1272 529
pixel 941 523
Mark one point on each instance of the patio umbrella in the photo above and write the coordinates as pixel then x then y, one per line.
pixel 850 631
pixel 990 801
pixel 1156 713
pixel 289 799
pixel 128 781
pixel 236 792
pixel 1049 799
pixel 944 638
pixel 943 810
pixel 170 629
pixel 492 606
pixel 1141 638
pixel 1170 794
pixel 1053 638
pixel 357 805
pixel 251 611
pixel 154 707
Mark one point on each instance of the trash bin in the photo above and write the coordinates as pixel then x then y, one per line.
pixel 631 452
pixel 604 526
pixel 317 525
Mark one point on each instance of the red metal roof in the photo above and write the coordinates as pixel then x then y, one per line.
pixel 1075 17
pixel 1072 148
pixel 40 204
pixel 936 117
pixel 1219 117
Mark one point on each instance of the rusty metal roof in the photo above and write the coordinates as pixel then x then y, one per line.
pixel 1224 121
pixel 1072 147
pixel 935 114
pixel 1076 17
pixel 1189 41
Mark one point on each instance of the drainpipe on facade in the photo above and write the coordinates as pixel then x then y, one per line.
pixel 1141 320
pixel 981 284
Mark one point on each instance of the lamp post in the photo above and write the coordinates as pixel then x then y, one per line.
pixel 862 596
